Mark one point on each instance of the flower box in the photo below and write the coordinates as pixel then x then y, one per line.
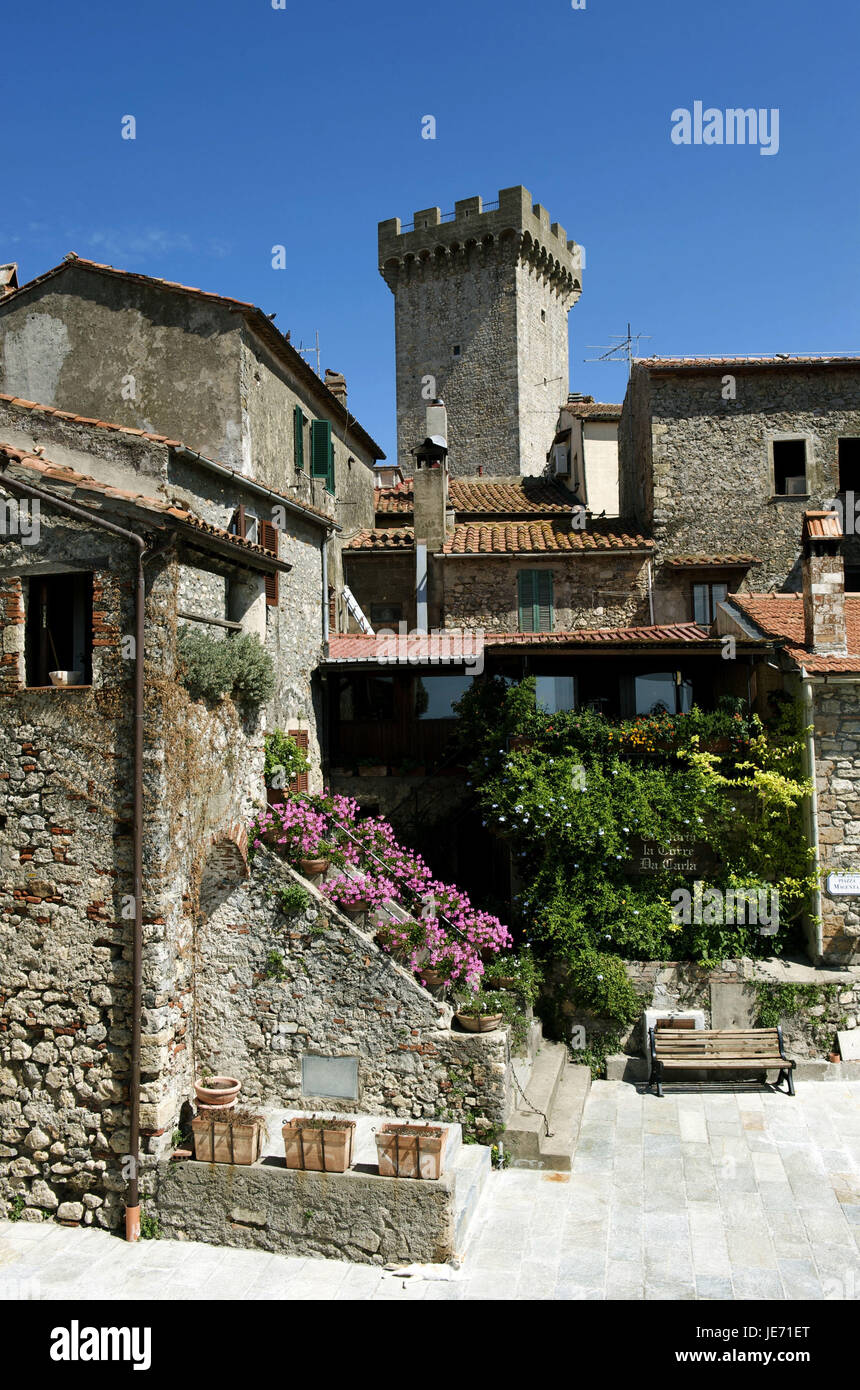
pixel 411 1151
pixel 375 770
pixel 321 1147
pixel 227 1140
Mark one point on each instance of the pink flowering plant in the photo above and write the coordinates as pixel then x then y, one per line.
pixel 445 934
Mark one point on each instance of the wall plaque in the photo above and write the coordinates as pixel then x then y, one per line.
pixel 843 885
pixel 693 857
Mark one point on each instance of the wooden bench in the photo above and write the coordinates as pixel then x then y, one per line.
pixel 698 1049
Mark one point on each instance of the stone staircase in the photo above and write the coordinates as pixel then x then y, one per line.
pixel 552 1085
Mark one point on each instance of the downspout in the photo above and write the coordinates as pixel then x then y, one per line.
pixel 812 811
pixel 650 594
pixel 324 549
pixel 132 1209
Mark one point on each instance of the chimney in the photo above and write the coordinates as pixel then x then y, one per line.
pixel 8 279
pixel 336 383
pixel 823 585
pixel 430 479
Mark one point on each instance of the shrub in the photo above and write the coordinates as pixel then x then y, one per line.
pixel 285 761
pixel 236 666
pixel 599 982
pixel 293 899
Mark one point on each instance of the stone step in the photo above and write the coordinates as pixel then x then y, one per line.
pixel 471 1171
pixel 522 1065
pixel 559 1089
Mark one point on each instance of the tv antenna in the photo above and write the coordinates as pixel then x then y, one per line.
pixel 624 345
pixel 313 351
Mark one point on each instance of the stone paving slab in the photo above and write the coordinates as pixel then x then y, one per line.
pixel 705 1194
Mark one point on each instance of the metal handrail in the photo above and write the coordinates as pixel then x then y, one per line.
pixel 369 852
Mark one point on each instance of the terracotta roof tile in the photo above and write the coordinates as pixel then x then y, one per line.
pixel 540 537
pixel 162 439
pixel 780 616
pixel 508 496
pixel 382 538
pixel 590 409
pixel 688 562
pixel 81 482
pixel 822 526
pixel 776 363
pixel 356 647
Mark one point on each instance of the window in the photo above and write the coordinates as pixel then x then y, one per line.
pixel 269 539
pixel 664 691
pixel 435 695
pixel 367 697
pixel 852 579
pixel 246 523
pixel 789 467
pixel 384 613
pixel 59 630
pixel 849 465
pixel 705 600
pixel 543 315
pixel 322 453
pixel 535 600
pixel 298 438
pixel 555 693
pixel 455 351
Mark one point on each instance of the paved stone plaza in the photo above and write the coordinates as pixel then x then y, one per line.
pixel 710 1193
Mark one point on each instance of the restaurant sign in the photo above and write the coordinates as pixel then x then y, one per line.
pixel 681 856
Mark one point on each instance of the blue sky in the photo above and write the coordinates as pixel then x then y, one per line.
pixel 302 127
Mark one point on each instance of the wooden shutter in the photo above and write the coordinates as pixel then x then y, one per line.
pixel 543 601
pixel 298 437
pixel 525 600
pixel 320 448
pixel 239 522
pixel 329 482
pixel 269 541
pixel 300 738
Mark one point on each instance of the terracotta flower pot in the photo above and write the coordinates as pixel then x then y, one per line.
pixel 355 909
pixel 319 1149
pixel 504 982
pixel 411 1151
pixel 478 1023
pixel 276 796
pixel 221 1091
pixel 219 1141
pixel 433 979
pixel 312 868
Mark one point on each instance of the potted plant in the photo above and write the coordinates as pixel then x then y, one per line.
pixel 367 767
pixel 235 1136
pixel 411 1151
pixel 477 1015
pixel 403 940
pixel 409 767
pixel 318 1145
pixel 317 864
pixel 217 1090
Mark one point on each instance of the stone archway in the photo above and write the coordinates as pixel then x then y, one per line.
pixel 226 865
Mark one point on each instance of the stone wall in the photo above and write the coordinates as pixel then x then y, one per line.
pixel 587 592
pixel 339 996
pixel 699 467
pixel 837 776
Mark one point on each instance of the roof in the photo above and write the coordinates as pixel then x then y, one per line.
pixel 780 616
pixel 357 648
pixel 71 418
pixel 587 408
pixel 508 538
pixel 690 562
pixel 821 526
pixel 254 317
pixel 70 481
pixel 510 496
pixel 778 362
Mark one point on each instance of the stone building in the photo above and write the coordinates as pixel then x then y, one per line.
pixel 720 457
pixel 212 371
pixel 584 452
pixel 481 299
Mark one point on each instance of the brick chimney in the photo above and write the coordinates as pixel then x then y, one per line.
pixel 8 279
pixel 823 585
pixel 336 383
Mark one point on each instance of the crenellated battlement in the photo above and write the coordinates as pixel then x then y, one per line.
pixel 512 226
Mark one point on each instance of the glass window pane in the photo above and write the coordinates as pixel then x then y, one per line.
pixel 655 693
pixel 701 607
pixel 554 693
pixel 436 694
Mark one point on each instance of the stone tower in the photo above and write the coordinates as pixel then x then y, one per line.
pixel 481 300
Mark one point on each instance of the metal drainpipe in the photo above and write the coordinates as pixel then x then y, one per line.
pixel 812 815
pixel 132 1209
pixel 324 549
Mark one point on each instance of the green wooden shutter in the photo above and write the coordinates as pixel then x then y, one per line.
pixel 298 437
pixel 329 482
pixel 543 601
pixel 525 596
pixel 320 448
